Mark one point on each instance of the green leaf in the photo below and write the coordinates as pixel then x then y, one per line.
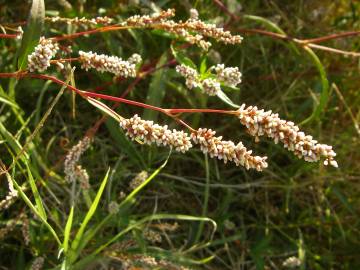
pixel 32 32
pixel 131 196
pixel 182 59
pixel 32 206
pixel 14 144
pixel 156 91
pixel 203 65
pixel 35 191
pixel 158 217
pixel 226 99
pixel 324 96
pixel 7 101
pixel 206 200
pixel 104 108
pixel 68 229
pixel 78 238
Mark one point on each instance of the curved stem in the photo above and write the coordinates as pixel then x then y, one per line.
pixel 93 31
pixel 175 111
pixel 169 112
pixel 8 35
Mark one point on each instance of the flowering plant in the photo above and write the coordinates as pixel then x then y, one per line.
pixel 57 55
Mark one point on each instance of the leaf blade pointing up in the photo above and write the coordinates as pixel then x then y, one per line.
pixel 32 32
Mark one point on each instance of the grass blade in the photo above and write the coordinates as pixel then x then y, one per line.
pixel 324 96
pixel 75 244
pixel 131 196
pixel 31 205
pixel 32 32
pixel 226 99
pixel 206 200
pixel 68 229
pixel 157 217
pixel 35 191
pixel 157 89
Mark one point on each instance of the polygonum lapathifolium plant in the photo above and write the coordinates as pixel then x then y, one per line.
pixel 257 122
pixel 181 42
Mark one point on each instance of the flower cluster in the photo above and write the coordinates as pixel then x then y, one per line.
pixel 9 227
pixel 138 179
pixel 259 123
pixel 152 236
pixel 230 76
pixel 37 263
pixel 292 262
pixel 82 175
pixel 211 86
pixel 139 261
pixel 191 76
pixel 40 59
pixel 25 229
pixel 112 64
pixel 72 170
pixel 81 21
pixel 211 30
pixel 113 207
pixel 227 150
pixel 192 30
pixel 147 20
pixel 10 197
pixel 147 131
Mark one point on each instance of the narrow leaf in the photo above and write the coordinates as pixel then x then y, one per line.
pixel 68 229
pixel 32 206
pixel 156 91
pixel 182 59
pixel 324 96
pixel 130 197
pixel 226 99
pixel 35 191
pixel 104 108
pixel 158 217
pixel 32 32
pixel 75 244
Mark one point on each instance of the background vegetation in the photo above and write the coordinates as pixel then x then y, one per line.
pixel 293 208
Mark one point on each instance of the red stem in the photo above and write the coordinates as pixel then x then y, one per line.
pixel 8 35
pixel 333 36
pixel 175 111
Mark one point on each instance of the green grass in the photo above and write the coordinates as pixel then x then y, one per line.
pixel 227 217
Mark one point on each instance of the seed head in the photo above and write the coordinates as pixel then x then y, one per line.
pixel 211 86
pixel 194 14
pixel 137 128
pixel 227 150
pixel 81 21
pixel 190 75
pixel 71 169
pixel 138 179
pixel 112 64
pixel 40 59
pixel 229 75
pixel 260 123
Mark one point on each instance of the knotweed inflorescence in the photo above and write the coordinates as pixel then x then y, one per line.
pixel 112 64
pixel 72 170
pixel 40 59
pixel 194 31
pixel 260 123
pixel 230 76
pixel 137 128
